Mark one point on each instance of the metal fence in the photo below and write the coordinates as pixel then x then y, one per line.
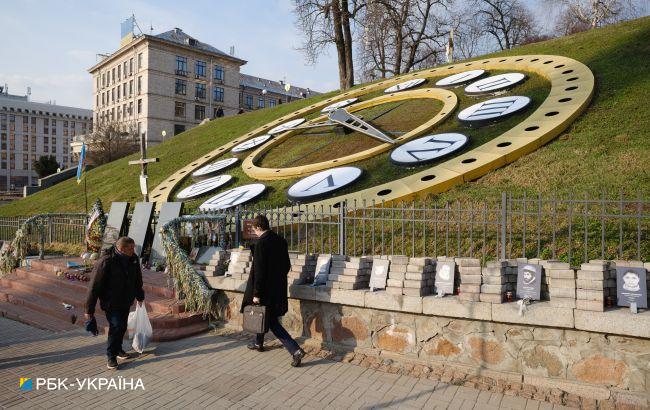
pixel 572 229
pixel 70 229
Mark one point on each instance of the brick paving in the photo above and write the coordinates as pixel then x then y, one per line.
pixel 210 371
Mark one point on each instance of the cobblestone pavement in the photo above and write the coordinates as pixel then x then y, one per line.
pixel 209 371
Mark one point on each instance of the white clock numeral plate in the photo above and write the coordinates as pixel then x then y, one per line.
pixel 460 78
pixel 405 85
pixel 232 197
pixel 495 83
pixel 204 187
pixel 323 182
pixel 427 149
pixel 252 143
pixel 214 167
pixel 493 109
pixel 339 104
pixel 286 126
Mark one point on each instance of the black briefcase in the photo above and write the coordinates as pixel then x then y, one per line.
pixel 255 319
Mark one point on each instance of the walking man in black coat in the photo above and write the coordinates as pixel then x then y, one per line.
pixel 117 281
pixel 267 285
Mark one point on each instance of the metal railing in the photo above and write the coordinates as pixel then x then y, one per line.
pixel 60 229
pixel 572 229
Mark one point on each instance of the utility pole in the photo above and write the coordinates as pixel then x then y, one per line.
pixel 143 161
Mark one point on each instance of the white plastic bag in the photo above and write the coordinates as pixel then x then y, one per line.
pixel 130 325
pixel 142 328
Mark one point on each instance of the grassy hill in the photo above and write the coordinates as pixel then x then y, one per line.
pixel 605 149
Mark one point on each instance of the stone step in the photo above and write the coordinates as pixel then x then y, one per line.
pixel 61 292
pixel 33 318
pixel 40 310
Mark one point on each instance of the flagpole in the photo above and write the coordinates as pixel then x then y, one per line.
pixel 86 193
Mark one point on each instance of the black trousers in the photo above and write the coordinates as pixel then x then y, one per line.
pixel 117 322
pixel 280 332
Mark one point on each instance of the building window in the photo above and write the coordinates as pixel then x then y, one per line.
pixel 200 68
pixel 124 90
pixel 119 72
pixel 139 85
pixel 119 89
pixel 131 108
pixel 179 110
pixel 130 66
pixel 181 86
pixel 130 87
pixel 271 103
pixel 139 105
pixel 249 102
pixel 199 112
pixel 181 65
pixel 139 61
pixel 178 128
pixel 260 102
pixel 200 91
pixel 218 94
pixel 218 73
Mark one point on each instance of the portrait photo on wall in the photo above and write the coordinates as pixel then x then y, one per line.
pixel 529 279
pixel 445 275
pixel 631 287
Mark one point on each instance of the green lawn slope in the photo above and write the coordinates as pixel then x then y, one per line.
pixel 606 149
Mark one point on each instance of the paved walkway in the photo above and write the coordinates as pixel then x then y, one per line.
pixel 209 371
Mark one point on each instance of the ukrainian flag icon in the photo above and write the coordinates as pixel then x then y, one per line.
pixel 26 383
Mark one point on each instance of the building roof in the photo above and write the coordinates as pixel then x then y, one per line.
pixel 178 36
pixel 276 87
pixel 21 104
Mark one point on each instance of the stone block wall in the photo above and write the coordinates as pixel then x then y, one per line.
pixel 588 364
pixel 595 353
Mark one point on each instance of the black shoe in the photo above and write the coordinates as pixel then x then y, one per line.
pixel 122 355
pixel 112 363
pixel 297 358
pixel 255 346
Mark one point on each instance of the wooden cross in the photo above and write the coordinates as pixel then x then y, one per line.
pixel 143 161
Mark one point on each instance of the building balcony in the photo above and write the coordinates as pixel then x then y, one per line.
pixel 181 73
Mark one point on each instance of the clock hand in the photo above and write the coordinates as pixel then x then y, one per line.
pixel 348 120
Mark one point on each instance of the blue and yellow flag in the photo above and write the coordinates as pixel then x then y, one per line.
pixel 82 162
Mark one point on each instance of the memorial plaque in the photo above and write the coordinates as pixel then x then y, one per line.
pixel 206 253
pixel 631 287
pixel 247 230
pixel 445 277
pixel 140 228
pixel 529 281
pixel 115 223
pixel 322 269
pixel 168 211
pixel 379 273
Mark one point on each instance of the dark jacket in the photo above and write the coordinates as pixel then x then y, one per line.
pixel 268 278
pixel 116 282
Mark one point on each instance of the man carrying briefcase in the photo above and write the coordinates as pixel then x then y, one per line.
pixel 267 286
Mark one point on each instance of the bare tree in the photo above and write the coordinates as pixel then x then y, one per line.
pixel 326 22
pixel 507 21
pixel 580 15
pixel 470 38
pixel 402 35
pixel 111 141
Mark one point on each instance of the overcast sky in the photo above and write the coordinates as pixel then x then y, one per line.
pixel 49 45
